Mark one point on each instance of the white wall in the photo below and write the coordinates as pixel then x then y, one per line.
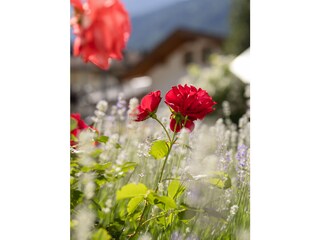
pixel 167 74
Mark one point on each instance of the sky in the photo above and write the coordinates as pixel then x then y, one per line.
pixel 138 7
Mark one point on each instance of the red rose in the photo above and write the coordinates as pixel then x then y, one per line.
pixel 149 105
pixel 102 29
pixel 77 4
pixel 188 104
pixel 80 125
pixel 189 124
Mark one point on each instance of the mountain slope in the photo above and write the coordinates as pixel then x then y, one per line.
pixel 139 7
pixel 210 16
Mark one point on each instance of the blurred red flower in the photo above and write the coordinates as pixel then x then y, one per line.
pixel 102 29
pixel 78 125
pixel 149 105
pixel 187 104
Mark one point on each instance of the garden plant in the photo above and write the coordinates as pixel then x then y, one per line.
pixel 153 169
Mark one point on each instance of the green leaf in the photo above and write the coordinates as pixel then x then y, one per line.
pixel 102 167
pixel 131 190
pixel 96 153
pixel 187 215
pixel 116 228
pixel 174 189
pixel 73 138
pixel 151 198
pixel 169 219
pixel 165 202
pixel 128 166
pixel 101 234
pixel 221 180
pixel 159 149
pixel 73 181
pixel 95 205
pixel 161 221
pixel 162 202
pixel 102 139
pixel 168 201
pixel 96 167
pixel 122 212
pixel 76 197
pixel 100 181
pixel 165 221
pixel 73 124
pixel 133 204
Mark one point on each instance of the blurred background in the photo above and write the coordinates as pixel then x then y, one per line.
pixel 201 42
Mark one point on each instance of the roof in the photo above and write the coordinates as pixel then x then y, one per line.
pixel 166 47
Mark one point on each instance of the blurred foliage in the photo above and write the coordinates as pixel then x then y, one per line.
pixel 239 38
pixel 221 84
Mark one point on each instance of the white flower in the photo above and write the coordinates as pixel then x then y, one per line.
pixel 102 106
pixel 108 203
pixel 99 113
pixel 89 190
pixel 145 236
pixel 85 221
pixel 87 181
pixel 94 119
pixel 133 111
pixel 86 140
pixel 160 187
pixel 197 177
pixel 106 210
pixel 234 209
pixel 141 175
pixel 226 108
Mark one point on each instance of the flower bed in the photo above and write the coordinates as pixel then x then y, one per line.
pixel 137 175
pixel 150 171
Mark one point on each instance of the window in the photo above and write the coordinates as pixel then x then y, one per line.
pixel 206 53
pixel 188 58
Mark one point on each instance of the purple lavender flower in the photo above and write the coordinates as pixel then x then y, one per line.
pixel 176 236
pixel 121 103
pixel 241 155
pixel 225 161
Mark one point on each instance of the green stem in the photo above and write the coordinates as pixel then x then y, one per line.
pixel 140 221
pixel 161 215
pixel 171 141
pixel 163 166
pixel 155 118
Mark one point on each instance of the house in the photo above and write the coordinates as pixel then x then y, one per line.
pixel 168 62
pixel 139 73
